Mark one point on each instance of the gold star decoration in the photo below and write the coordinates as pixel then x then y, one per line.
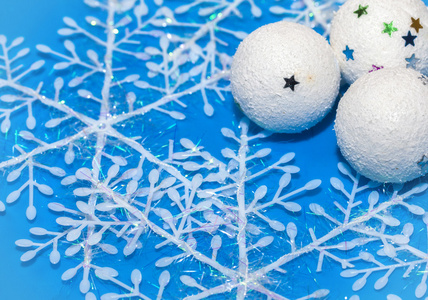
pixel 416 24
pixel 362 10
pixel 389 28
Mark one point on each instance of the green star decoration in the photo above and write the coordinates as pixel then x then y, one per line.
pixel 362 10
pixel 389 28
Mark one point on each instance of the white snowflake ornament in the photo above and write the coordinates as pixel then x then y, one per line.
pixel 373 34
pixel 381 125
pixel 285 77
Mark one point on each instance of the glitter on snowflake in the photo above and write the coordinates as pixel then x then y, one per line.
pixel 314 14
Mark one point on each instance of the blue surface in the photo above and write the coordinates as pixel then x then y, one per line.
pixel 316 151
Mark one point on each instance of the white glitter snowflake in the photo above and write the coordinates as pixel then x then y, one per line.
pixel 314 14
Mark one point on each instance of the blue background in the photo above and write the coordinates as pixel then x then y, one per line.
pixel 316 154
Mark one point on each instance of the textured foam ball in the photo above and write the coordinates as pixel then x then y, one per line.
pixel 285 77
pixel 368 35
pixel 382 125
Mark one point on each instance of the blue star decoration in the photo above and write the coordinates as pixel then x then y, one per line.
pixel 412 61
pixel 349 53
pixel 290 83
pixel 409 38
pixel 423 163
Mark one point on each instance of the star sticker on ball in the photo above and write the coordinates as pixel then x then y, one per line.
pixel 375 68
pixel 424 79
pixel 423 163
pixel 412 61
pixel 362 10
pixel 290 83
pixel 416 24
pixel 349 53
pixel 409 38
pixel 389 28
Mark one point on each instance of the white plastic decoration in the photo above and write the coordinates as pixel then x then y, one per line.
pixel 382 125
pixel 284 76
pixel 368 35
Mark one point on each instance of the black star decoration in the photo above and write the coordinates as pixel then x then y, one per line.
pixel 409 38
pixel 290 83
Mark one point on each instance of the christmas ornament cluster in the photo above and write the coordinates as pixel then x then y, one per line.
pixel 286 77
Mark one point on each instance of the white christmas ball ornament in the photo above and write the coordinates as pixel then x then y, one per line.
pixel 368 35
pixel 382 125
pixel 285 77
